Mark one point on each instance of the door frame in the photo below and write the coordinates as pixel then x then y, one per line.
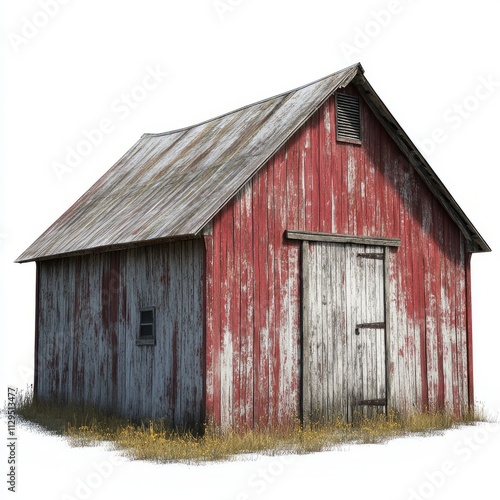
pixel 307 237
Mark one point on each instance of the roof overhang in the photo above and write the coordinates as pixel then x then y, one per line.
pixel 475 241
pixel 118 213
pixel 111 248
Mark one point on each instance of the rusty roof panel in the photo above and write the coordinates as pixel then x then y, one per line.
pixel 170 185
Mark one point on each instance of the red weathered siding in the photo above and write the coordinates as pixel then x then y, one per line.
pixel 252 298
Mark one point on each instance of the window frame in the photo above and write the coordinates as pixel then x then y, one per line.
pixel 146 339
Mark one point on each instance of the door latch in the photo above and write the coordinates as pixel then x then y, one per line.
pixel 368 325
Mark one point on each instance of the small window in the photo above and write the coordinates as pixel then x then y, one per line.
pixel 147 327
pixel 348 118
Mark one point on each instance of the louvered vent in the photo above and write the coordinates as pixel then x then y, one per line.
pixel 348 118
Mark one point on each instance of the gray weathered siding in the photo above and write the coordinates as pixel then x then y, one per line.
pixel 88 323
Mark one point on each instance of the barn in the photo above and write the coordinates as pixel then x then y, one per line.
pixel 295 258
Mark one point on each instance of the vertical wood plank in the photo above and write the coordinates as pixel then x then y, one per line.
pixel 470 359
pixel 388 319
pixel 247 302
pixel 252 315
pixel 210 279
pixel 307 334
pixel 462 328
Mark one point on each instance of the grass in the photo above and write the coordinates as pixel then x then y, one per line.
pixel 156 441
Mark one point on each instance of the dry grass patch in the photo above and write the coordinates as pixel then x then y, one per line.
pixel 156 441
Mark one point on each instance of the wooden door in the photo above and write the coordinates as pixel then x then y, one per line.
pixel 343 350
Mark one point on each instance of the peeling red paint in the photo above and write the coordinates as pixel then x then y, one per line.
pixel 236 360
pixel 315 183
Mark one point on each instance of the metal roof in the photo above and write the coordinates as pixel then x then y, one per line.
pixel 170 185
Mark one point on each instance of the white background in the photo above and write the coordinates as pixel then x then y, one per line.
pixel 65 72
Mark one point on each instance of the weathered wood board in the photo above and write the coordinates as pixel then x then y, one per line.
pixel 344 341
pixel 88 327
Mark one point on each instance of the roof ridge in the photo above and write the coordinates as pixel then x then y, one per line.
pixel 192 172
pixel 256 103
